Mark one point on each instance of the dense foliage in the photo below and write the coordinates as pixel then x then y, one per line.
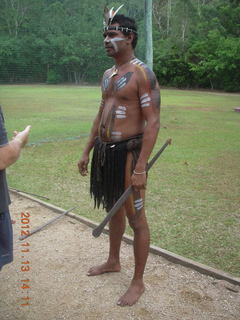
pixel 196 42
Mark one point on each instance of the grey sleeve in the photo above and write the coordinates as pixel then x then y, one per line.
pixel 3 132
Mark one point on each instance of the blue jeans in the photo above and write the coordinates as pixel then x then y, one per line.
pixel 6 239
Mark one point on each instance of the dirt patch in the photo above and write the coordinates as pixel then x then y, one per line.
pixel 59 257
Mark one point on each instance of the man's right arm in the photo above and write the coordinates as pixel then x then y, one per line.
pixel 84 160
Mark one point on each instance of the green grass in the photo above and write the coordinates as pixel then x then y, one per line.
pixel 193 198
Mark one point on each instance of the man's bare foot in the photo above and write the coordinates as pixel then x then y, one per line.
pixel 103 268
pixel 132 294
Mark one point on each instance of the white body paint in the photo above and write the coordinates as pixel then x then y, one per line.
pixel 137 61
pixel 105 83
pixel 121 82
pixel 114 42
pixel 116 135
pixel 138 204
pixel 145 100
pixel 121 112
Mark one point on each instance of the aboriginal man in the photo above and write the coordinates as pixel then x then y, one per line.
pixel 123 135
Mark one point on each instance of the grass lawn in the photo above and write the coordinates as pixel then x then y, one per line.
pixel 193 199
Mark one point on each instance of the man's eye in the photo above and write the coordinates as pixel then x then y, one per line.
pixel 110 35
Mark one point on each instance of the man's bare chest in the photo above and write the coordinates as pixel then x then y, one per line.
pixel 120 86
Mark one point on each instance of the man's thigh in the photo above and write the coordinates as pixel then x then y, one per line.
pixel 134 205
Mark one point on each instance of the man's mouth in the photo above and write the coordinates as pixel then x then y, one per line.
pixel 109 49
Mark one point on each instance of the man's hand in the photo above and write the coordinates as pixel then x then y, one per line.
pixel 83 165
pixel 11 151
pixel 139 181
pixel 22 136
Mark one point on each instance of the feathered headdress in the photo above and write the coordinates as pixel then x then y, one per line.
pixel 109 15
pixel 108 18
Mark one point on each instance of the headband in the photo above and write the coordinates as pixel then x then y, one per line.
pixel 119 28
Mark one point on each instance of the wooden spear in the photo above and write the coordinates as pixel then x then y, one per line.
pixel 46 224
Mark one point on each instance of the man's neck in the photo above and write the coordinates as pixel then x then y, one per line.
pixel 123 59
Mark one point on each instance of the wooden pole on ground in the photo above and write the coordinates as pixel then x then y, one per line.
pixel 46 224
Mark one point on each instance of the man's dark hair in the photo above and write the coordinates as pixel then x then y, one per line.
pixel 127 22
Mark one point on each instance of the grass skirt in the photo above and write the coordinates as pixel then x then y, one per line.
pixel 108 169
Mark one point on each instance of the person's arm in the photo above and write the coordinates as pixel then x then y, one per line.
pixel 10 152
pixel 149 97
pixel 84 160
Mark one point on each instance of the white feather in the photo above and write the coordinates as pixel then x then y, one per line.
pixel 111 13
pixel 117 10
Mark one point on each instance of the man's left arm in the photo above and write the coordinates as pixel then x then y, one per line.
pixel 10 151
pixel 149 98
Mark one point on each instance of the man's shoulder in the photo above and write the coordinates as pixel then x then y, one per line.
pixel 144 71
pixel 139 63
pixel 109 71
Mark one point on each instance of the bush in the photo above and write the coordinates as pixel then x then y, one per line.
pixel 53 77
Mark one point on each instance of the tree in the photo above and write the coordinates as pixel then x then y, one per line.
pixel 196 42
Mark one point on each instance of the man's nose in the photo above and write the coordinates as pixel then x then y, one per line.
pixel 106 40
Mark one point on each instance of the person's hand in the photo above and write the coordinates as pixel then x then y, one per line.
pixel 22 136
pixel 139 181
pixel 83 165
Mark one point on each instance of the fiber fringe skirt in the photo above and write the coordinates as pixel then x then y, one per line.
pixel 108 169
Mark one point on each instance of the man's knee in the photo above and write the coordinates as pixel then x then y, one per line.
pixel 137 221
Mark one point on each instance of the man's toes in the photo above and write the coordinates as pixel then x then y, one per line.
pixel 131 303
pixel 90 272
pixel 122 302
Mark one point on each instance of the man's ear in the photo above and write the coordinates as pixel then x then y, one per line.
pixel 130 38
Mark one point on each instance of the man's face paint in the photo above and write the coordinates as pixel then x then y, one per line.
pixel 114 42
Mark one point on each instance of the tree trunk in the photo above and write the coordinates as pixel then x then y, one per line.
pixel 184 27
pixel 157 17
pixel 148 34
pixel 169 9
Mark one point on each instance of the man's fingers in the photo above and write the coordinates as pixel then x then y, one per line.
pixel 84 170
pixel 27 129
pixel 22 136
pixel 83 173
pixel 82 167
